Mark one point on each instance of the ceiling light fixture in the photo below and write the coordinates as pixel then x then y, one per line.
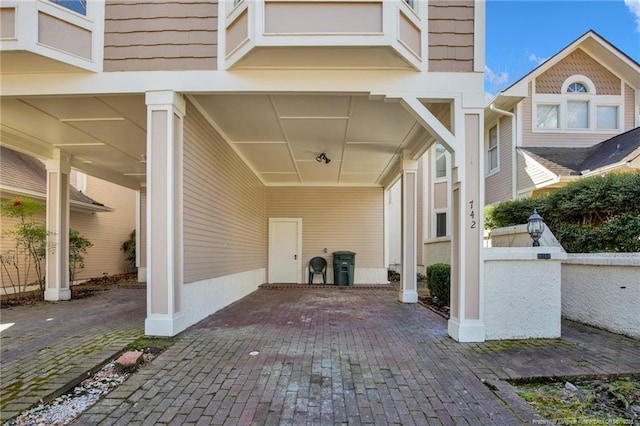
pixel 323 157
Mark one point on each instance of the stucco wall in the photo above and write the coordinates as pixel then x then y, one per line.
pixel 522 293
pixel 603 290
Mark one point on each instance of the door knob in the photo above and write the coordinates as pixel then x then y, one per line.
pixel 295 257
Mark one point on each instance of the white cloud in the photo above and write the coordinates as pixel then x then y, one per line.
pixel 634 8
pixel 494 78
pixel 537 59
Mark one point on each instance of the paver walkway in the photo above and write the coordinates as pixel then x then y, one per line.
pixel 346 356
pixel 47 346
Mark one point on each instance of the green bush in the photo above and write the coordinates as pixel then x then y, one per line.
pixel 594 214
pixel 439 281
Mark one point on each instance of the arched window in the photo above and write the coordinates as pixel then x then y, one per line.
pixel 577 88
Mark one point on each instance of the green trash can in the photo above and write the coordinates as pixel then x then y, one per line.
pixel 344 265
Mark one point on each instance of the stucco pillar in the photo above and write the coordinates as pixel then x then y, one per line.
pixel 466 323
pixel 165 113
pixel 57 257
pixel 409 291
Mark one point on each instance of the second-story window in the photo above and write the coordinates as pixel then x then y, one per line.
pixel 441 161
pixel 578 107
pixel 78 6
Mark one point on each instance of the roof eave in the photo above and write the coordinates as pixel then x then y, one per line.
pixel 79 206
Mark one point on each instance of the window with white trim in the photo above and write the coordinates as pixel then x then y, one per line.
pixel 577 108
pixel 441 161
pixel 492 150
pixel 441 224
pixel 78 6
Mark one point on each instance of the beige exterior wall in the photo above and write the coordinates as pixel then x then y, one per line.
pixel 410 34
pixel 629 108
pixel 498 185
pixel 336 219
pixel 237 32
pixel 530 173
pixel 106 230
pixel 64 36
pixel 171 35
pixel 580 63
pixel 451 25
pixel 225 225
pixel 327 17
pixel 7 22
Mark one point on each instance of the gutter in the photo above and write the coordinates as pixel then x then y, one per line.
pixel 514 145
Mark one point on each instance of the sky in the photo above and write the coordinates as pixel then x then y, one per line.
pixel 521 34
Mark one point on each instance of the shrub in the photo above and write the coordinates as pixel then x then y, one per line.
pixel 129 249
pixel 439 281
pixel 30 245
pixel 78 246
pixel 594 214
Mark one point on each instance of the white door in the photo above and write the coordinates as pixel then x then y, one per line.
pixel 285 250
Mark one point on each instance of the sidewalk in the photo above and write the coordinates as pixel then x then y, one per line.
pixel 46 347
pixel 336 356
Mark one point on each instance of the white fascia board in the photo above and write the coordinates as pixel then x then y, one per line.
pixel 421 85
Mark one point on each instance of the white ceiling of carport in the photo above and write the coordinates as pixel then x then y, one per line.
pixel 277 135
pixel 280 136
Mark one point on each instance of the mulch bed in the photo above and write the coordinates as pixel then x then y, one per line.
pixel 78 291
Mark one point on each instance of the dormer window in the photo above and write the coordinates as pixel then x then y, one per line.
pixel 577 107
pixel 577 88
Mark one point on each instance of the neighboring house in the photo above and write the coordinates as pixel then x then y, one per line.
pixel 259 134
pixel 574 115
pixel 106 226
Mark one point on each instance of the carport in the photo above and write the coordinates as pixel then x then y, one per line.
pixel 218 155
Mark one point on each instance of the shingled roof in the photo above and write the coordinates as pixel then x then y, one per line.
pixel 619 149
pixel 24 173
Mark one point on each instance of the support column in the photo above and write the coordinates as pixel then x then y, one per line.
pixel 466 323
pixel 409 291
pixel 165 113
pixel 57 255
pixel 141 233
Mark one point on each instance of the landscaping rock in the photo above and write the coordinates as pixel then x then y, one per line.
pixel 129 361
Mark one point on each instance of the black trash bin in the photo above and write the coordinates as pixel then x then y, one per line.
pixel 344 265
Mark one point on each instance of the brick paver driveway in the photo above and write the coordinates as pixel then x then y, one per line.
pixel 344 356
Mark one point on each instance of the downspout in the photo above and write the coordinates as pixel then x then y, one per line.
pixel 514 145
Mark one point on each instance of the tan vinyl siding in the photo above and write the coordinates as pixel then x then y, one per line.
pixel 106 230
pixel 334 218
pixel 498 185
pixel 451 26
pixel 558 139
pixel 225 225
pixel 165 35
pixel 578 62
pixel 629 108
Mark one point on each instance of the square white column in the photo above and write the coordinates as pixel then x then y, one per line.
pixel 466 323
pixel 164 260
pixel 409 231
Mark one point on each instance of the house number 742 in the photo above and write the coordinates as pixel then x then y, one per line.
pixel 472 215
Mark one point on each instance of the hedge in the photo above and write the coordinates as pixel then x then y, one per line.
pixel 594 214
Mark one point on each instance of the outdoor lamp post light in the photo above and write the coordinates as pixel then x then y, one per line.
pixel 535 227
